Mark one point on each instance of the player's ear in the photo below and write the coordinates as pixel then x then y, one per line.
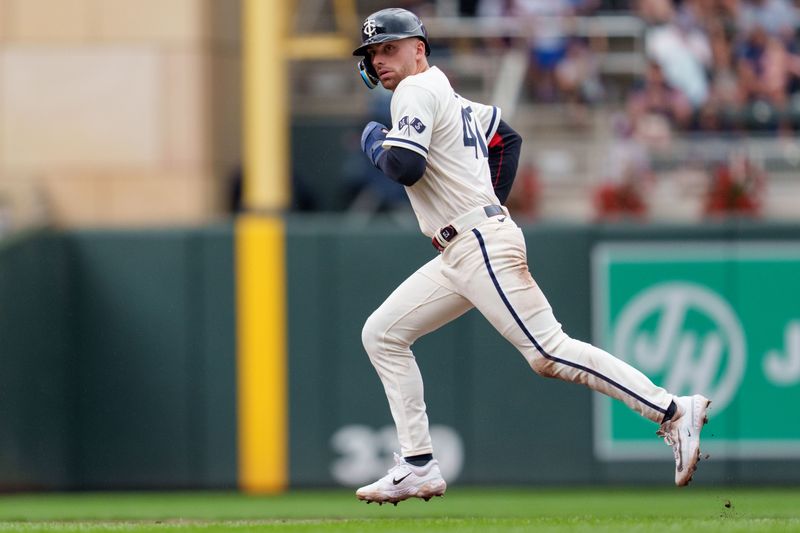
pixel 420 48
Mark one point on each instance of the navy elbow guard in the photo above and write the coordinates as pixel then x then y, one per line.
pixel 372 140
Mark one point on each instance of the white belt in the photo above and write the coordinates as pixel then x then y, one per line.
pixel 467 221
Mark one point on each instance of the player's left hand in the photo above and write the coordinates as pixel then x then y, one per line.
pixel 372 140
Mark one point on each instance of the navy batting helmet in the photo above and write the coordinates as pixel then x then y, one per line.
pixel 383 26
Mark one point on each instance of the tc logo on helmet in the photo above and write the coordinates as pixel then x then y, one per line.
pixel 369 28
pixel 687 336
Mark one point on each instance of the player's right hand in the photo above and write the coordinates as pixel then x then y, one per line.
pixel 372 140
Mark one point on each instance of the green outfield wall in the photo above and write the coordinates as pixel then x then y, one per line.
pixel 118 360
pixel 37 401
pixel 119 356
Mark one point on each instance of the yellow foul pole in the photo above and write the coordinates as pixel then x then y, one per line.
pixel 266 105
pixel 260 250
pixel 262 407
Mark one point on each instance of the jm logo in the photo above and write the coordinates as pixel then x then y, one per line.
pixel 686 334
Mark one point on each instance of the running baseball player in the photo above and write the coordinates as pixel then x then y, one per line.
pixel 457 160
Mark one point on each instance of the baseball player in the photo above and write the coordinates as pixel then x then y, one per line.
pixel 457 160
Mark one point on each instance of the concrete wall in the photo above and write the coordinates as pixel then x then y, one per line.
pixel 120 112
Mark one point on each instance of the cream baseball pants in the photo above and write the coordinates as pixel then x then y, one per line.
pixel 486 268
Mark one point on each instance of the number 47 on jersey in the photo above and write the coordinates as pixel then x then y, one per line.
pixel 470 138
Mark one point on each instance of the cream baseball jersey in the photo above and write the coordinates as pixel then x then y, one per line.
pixel 429 118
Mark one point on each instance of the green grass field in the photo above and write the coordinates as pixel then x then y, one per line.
pixel 463 509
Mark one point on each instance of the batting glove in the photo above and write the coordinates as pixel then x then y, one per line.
pixel 372 140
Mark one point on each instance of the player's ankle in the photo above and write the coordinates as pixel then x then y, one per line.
pixel 419 460
pixel 671 410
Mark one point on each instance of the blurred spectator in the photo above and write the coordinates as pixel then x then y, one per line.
pixel 725 98
pixel 561 66
pixel 548 21
pixel 655 11
pixel 656 105
pixel 628 158
pixel 422 8
pixel 775 17
pixel 584 8
pixel 766 72
pixel 765 68
pixel 468 8
pixel 578 77
pixel 723 76
pixel 726 13
pixel 494 8
pixel 696 14
pixel 628 173
pixel 682 50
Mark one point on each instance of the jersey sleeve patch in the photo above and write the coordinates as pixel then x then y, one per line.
pixel 407 123
pixel 413 115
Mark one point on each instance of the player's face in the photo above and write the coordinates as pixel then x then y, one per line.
pixel 395 60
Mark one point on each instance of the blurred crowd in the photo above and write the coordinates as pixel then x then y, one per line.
pixel 724 67
pixel 711 65
pixel 721 65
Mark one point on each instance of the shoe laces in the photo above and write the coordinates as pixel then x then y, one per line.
pixel 667 432
pixel 399 462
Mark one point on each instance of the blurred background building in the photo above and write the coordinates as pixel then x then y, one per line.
pixel 118 112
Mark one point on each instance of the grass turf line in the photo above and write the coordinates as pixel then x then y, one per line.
pixel 463 509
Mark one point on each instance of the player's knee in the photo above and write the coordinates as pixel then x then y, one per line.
pixel 543 362
pixel 369 336
pixel 552 348
pixel 543 366
pixel 380 340
pixel 373 335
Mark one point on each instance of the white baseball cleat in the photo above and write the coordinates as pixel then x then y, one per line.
pixel 682 432
pixel 405 481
